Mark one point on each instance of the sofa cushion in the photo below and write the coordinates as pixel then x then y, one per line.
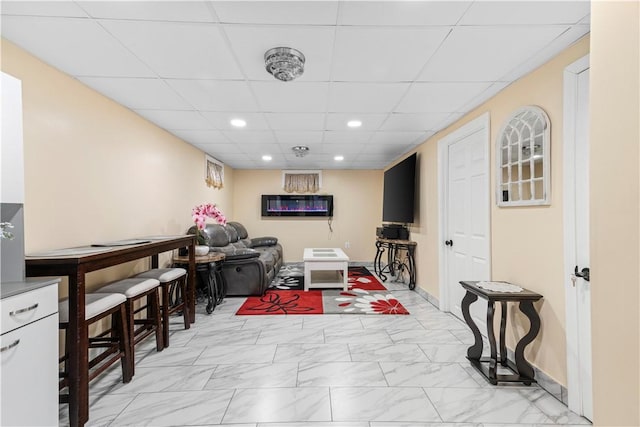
pixel 232 233
pixel 216 235
pixel 240 229
pixel 263 241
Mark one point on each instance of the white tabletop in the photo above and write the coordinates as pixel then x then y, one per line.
pixel 324 254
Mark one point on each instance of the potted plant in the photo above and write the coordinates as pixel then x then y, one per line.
pixel 200 214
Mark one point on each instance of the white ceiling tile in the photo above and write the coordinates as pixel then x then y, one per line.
pixel 203 137
pixel 525 12
pixel 365 97
pixel 567 38
pixel 237 161
pixel 216 95
pixel 343 149
pixel 395 138
pixel 220 148
pixel 373 158
pixel 138 93
pixel 250 43
pixel 43 8
pixel 222 120
pixel 383 54
pixel 177 49
pixel 291 138
pixel 260 149
pixel 487 94
pixel 296 121
pixel 294 96
pixel 176 120
pixel 277 12
pixel 401 12
pixel 486 53
pixel 347 137
pixel 586 20
pixel 88 49
pixel 388 150
pixel 250 136
pixel 338 121
pixel 186 11
pixel 413 121
pixel 439 97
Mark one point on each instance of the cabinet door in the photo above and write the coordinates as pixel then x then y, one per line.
pixel 29 374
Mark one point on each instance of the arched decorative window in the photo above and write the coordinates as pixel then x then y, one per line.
pixel 523 159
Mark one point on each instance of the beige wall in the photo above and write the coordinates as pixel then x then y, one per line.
pixel 615 212
pixel 96 171
pixel 357 197
pixel 526 242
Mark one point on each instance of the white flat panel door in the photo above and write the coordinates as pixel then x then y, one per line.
pixel 467 219
pixel 576 224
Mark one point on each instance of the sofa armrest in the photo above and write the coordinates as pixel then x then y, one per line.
pixel 264 241
pixel 242 254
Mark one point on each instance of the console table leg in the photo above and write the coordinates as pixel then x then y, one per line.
pixel 412 268
pixel 475 351
pixel 493 360
pixel 524 368
pixel 377 262
pixel 503 328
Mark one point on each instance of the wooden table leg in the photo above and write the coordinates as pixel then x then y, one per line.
pixel 503 329
pixel 491 336
pixel 475 351
pixel 524 368
pixel 78 359
pixel 191 283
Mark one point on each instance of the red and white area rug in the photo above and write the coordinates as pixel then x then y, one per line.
pixel 366 295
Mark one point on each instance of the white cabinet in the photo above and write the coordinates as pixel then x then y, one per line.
pixel 29 344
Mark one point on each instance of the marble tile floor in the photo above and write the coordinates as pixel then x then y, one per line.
pixel 317 371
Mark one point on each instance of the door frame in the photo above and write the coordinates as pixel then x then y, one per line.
pixel 569 153
pixel 482 124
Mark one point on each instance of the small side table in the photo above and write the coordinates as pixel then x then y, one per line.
pixel 209 269
pixel 522 370
pixel 396 263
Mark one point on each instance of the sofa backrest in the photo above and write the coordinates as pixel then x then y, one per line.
pixel 242 232
pixel 216 235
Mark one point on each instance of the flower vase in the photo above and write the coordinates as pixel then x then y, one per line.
pixel 202 250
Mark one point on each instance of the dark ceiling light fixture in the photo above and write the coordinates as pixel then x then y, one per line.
pixel 284 63
pixel 300 150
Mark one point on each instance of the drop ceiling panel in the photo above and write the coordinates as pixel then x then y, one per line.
pixel 346 137
pixel 258 150
pixel 186 11
pixel 385 150
pixel 203 137
pixel 296 121
pixel 250 136
pixel 338 121
pixel 222 120
pixel 401 12
pixel 365 97
pixel 486 53
pixel 291 138
pixel 439 97
pixel 242 161
pixel 395 138
pixel 383 54
pixel 348 150
pixel 88 49
pixel 216 95
pixel 138 93
pixel 177 49
pixel 219 149
pixel 525 12
pixel 43 8
pixel 176 120
pixel 250 42
pixel 295 96
pixel 414 121
pixel 277 12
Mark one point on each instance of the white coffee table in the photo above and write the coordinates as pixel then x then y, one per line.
pixel 330 266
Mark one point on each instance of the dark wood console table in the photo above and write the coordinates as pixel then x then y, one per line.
pixel 75 263
pixel 209 268
pixel 522 370
pixel 396 262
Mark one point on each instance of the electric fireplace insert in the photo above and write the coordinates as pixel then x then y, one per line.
pixel 290 205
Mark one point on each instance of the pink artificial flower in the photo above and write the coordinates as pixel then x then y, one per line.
pixel 208 210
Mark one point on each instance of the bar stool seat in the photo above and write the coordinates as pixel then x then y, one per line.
pixel 98 306
pixel 135 289
pixel 171 279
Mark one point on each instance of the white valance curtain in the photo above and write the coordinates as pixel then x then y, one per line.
pixel 214 173
pixel 302 182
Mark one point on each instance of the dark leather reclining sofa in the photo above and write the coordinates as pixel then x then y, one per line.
pixel 250 264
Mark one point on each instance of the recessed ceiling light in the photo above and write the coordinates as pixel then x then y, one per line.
pixel 354 123
pixel 338 158
pixel 266 158
pixel 239 123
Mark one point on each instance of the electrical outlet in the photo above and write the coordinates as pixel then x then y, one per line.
pixel 347 244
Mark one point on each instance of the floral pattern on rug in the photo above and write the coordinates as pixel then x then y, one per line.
pixel 366 295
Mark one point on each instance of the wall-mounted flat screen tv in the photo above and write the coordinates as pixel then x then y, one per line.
pixel 399 192
pixel 293 205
